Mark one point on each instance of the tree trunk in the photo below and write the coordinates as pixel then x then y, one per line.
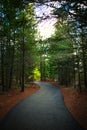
pixel 84 68
pixel 79 80
pixel 11 68
pixel 2 66
pixel 12 62
pixel 7 64
pixel 74 73
pixel 22 62
pixel 41 71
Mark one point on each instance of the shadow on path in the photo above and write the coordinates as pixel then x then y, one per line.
pixel 43 110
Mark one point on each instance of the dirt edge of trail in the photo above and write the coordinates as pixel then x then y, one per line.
pixel 12 97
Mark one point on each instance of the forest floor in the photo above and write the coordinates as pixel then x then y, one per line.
pixel 11 98
pixel 76 102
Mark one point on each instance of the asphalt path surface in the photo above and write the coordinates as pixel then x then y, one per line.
pixel 43 110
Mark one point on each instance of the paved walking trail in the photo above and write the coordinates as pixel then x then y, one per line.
pixel 43 110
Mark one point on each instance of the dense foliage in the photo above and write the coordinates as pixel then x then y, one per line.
pixel 74 12
pixel 62 57
pixel 67 49
pixel 17 43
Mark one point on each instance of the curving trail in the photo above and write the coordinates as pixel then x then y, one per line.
pixel 43 110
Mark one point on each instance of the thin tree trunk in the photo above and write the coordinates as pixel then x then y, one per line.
pixel 11 68
pixel 79 80
pixel 22 62
pixel 2 66
pixel 12 63
pixel 7 64
pixel 40 67
pixel 84 68
pixel 74 73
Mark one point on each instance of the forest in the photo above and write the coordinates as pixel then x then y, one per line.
pixel 25 56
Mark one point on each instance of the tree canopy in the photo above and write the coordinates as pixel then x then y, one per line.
pixel 61 57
